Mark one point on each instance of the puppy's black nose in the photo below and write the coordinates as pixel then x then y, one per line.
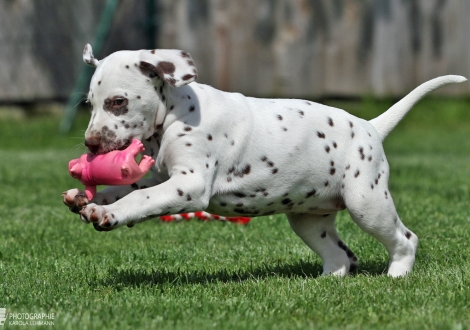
pixel 93 144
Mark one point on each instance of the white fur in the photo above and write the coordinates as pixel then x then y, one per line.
pixel 234 155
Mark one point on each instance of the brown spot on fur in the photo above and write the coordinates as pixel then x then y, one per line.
pixel 246 169
pixel 342 245
pixel 187 76
pixel 165 67
pixel 361 152
pixel 311 193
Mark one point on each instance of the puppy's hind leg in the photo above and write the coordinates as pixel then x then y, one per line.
pixel 319 233
pixel 373 210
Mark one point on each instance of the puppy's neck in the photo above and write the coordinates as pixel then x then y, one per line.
pixel 176 104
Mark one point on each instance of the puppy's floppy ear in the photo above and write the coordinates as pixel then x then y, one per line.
pixel 175 67
pixel 88 57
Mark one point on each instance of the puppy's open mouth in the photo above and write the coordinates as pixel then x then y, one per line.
pixel 114 145
pixel 125 145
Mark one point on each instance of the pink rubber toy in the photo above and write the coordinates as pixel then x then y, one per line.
pixel 117 167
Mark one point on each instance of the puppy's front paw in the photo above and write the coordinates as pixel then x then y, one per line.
pixel 101 219
pixel 75 199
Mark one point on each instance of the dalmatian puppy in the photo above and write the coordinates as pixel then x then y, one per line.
pixel 233 155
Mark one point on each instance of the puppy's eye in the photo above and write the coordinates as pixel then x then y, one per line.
pixel 118 102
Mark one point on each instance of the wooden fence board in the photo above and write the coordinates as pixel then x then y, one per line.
pixel 281 48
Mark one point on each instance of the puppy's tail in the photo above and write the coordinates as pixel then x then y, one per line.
pixel 387 121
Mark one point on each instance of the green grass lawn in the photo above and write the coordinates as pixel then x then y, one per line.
pixel 195 275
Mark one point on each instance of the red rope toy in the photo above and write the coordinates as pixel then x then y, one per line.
pixel 204 216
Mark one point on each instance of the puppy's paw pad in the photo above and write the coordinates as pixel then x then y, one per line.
pixel 107 222
pixel 81 200
pixel 92 213
pixel 74 199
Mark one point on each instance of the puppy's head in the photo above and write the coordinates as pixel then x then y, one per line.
pixel 125 96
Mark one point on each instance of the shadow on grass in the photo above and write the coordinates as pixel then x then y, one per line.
pixel 300 269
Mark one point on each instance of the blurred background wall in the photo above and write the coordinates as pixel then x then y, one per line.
pixel 280 48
